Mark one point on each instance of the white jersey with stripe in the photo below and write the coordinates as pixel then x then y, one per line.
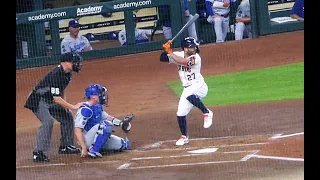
pixel 69 44
pixel 190 73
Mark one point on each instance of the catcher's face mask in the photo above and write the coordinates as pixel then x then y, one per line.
pixel 103 96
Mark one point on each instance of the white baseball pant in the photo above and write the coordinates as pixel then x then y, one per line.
pixel 198 89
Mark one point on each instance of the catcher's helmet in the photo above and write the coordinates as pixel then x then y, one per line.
pixel 74 58
pixel 97 90
pixel 190 42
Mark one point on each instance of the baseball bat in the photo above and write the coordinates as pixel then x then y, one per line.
pixel 192 20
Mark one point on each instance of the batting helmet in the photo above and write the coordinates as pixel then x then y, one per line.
pixel 97 90
pixel 74 58
pixel 190 42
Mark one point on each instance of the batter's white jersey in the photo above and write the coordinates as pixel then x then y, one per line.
pixel 191 72
pixel 70 44
pixel 141 35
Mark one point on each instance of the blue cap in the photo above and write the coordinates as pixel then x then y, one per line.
pixel 74 23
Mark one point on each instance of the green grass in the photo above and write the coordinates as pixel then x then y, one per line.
pixel 269 84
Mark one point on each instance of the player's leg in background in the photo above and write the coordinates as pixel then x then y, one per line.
pixel 195 96
pixel 167 32
pixel 66 120
pixel 43 139
pixel 217 22
pixel 225 27
pixel 192 32
pixel 240 27
pixel 249 30
pixel 116 143
pixel 101 137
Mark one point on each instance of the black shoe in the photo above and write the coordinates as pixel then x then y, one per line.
pixel 40 157
pixel 69 150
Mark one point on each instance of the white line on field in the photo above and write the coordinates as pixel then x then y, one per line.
pixel 66 164
pixel 189 155
pixel 247 157
pixel 223 145
pixel 275 136
pixel 159 143
pixel 124 166
pixel 288 135
pixel 224 137
pixel 176 165
pixel 277 158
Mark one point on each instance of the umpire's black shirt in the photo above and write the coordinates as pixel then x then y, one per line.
pixel 53 84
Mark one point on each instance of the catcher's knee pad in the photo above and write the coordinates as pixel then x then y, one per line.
pixel 102 135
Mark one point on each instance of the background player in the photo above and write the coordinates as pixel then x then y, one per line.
pixel 93 126
pixel 75 42
pixel 47 102
pixel 218 14
pixel 243 21
pixel 297 11
pixel 141 35
pixel 166 22
pixel 195 88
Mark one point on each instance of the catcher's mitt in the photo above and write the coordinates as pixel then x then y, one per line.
pixel 125 124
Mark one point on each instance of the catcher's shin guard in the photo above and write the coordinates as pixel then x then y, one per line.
pixel 103 134
pixel 116 143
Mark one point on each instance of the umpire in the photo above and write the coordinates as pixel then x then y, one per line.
pixel 47 102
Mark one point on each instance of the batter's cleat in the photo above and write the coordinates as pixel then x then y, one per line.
pixel 94 154
pixel 69 150
pixel 40 157
pixel 182 141
pixel 207 119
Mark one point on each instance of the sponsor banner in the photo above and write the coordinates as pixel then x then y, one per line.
pixel 132 4
pixel 48 16
pixel 90 10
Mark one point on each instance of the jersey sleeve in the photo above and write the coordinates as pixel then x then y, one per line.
pixel 122 37
pixel 86 41
pixel 171 61
pixel 192 60
pixel 65 48
pixel 104 115
pixel 82 116
pixel 296 7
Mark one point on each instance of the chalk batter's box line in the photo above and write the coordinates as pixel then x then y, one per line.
pixel 244 159
pixel 159 143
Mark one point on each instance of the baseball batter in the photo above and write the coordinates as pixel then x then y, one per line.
pixel 141 35
pixel 75 42
pixel 93 126
pixel 195 89
pixel 243 25
pixel 166 25
pixel 218 15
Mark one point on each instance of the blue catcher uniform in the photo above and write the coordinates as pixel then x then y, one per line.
pixel 97 130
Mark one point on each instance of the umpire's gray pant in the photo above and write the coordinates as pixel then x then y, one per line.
pixel 46 113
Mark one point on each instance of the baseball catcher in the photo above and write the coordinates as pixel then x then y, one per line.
pixel 94 127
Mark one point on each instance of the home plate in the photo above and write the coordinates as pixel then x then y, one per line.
pixel 205 150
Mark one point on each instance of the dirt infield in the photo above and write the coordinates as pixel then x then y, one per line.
pixel 249 141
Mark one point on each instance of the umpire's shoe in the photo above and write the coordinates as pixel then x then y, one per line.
pixel 40 157
pixel 69 150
